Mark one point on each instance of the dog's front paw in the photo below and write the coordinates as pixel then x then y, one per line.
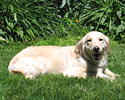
pixel 117 75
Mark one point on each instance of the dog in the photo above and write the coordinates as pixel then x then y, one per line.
pixel 88 58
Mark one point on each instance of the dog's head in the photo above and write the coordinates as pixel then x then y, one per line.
pixel 93 45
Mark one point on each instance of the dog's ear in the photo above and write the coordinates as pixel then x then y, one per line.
pixel 108 43
pixel 79 48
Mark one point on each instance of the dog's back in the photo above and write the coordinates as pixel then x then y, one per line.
pixel 40 59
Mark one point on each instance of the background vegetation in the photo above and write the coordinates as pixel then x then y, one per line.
pixel 24 20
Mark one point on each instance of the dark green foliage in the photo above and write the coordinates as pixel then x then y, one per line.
pixel 107 16
pixel 24 20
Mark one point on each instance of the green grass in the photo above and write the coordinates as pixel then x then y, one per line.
pixel 58 87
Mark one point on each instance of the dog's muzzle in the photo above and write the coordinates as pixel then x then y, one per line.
pixel 97 54
pixel 96 49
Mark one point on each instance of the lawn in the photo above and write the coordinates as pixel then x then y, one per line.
pixel 58 87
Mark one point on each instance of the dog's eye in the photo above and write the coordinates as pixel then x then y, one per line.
pixel 100 39
pixel 89 40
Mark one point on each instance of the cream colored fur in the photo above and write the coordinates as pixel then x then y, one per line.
pixel 77 61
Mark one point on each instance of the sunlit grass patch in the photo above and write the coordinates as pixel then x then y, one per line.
pixel 55 87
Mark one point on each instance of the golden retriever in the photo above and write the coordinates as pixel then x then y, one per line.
pixel 88 58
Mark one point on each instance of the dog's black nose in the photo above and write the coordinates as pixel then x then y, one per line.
pixel 96 49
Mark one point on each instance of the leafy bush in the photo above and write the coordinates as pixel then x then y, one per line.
pixel 25 19
pixel 72 8
pixel 107 16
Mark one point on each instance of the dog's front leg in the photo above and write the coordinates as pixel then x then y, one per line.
pixel 102 75
pixel 108 72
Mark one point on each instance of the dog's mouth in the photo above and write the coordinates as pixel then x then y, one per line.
pixel 96 56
